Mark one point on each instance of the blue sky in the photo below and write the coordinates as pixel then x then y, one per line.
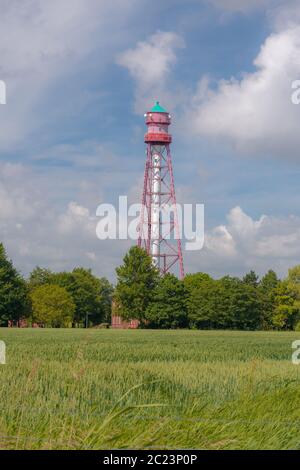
pixel 81 73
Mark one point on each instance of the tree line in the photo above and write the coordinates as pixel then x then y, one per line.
pixel 79 298
pixel 201 302
pixel 50 299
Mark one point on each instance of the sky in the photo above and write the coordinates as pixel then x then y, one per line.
pixel 80 75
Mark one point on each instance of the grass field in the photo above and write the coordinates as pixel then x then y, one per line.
pixel 95 389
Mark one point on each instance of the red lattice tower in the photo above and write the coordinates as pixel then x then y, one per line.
pixel 161 241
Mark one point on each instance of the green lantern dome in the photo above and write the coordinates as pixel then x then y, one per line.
pixel 157 108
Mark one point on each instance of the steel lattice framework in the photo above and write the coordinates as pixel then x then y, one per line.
pixel 160 239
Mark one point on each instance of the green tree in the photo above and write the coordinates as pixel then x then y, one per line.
pixel 225 303
pixel 243 302
pixel 52 305
pixel 269 281
pixel 91 295
pixel 294 285
pixel 209 301
pixel 294 275
pixel 136 281
pixel 251 279
pixel 40 277
pixel 267 286
pixel 193 281
pixel 293 280
pixel 204 302
pixel 14 299
pixel 246 307
pixel 229 287
pixel 168 307
pixel 106 292
pixel 286 311
pixel 198 287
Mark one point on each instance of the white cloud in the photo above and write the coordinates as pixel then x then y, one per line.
pixel 244 243
pixel 284 14
pixel 76 218
pixel 36 231
pixel 255 113
pixel 14 190
pixel 41 42
pixel 150 63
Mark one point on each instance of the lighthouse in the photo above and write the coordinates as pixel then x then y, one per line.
pixel 161 241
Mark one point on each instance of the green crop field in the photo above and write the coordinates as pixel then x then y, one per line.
pixel 97 389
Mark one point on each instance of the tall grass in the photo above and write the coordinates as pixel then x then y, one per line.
pixel 92 389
